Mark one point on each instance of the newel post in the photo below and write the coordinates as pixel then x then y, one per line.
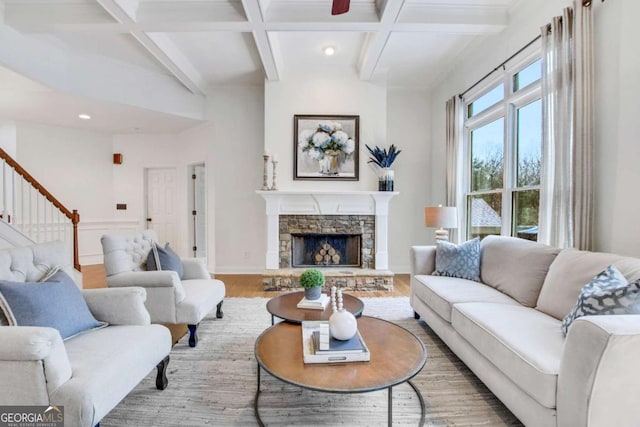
pixel 75 219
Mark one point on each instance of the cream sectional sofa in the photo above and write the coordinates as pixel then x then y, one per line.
pixel 88 374
pixel 507 331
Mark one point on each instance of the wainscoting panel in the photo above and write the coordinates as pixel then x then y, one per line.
pixel 90 232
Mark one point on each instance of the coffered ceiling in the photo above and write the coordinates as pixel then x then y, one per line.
pixel 204 44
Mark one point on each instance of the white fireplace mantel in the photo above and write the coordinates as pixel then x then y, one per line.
pixel 328 203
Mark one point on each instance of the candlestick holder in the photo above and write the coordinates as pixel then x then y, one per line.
pixel 265 174
pixel 274 185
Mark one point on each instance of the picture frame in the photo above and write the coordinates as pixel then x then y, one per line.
pixel 326 147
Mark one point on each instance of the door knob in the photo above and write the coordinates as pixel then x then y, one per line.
pixel 148 219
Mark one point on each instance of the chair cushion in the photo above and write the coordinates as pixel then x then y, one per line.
pixel 107 364
pixel 57 303
pixel 160 258
pixel 462 261
pixel 441 293
pixel 607 293
pixel 571 270
pixel 201 296
pixel 524 343
pixel 515 266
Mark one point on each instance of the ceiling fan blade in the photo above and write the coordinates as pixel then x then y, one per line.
pixel 339 7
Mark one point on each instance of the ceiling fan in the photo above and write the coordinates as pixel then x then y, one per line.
pixel 340 6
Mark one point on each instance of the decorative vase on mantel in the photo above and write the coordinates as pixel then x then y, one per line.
pixel 330 162
pixel 385 179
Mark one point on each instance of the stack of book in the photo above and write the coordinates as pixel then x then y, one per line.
pixel 315 304
pixel 320 347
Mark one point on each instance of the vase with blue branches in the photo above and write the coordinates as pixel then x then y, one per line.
pixel 383 159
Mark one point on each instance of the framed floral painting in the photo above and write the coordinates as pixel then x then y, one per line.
pixel 326 147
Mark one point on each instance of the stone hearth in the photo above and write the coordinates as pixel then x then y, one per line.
pixel 351 279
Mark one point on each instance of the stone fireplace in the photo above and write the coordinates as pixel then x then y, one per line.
pixel 342 233
pixel 350 241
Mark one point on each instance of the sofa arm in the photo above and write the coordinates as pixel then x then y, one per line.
pixel 148 279
pixel 194 268
pixel 599 382
pixel 33 364
pixel 118 306
pixel 423 260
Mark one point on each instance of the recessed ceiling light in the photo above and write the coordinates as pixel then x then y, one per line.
pixel 329 50
pixel 84 116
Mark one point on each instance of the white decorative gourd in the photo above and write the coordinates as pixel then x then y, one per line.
pixel 342 324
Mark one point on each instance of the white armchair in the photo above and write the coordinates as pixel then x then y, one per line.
pixel 169 298
pixel 90 373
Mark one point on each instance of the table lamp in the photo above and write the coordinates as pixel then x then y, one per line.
pixel 442 218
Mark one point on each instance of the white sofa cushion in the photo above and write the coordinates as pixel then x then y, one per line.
pixel 441 293
pixel 127 252
pixel 504 261
pixel 571 270
pixel 525 344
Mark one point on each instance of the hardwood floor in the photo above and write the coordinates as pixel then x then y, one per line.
pixel 245 285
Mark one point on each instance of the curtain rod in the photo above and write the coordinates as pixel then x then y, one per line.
pixel 585 3
pixel 502 64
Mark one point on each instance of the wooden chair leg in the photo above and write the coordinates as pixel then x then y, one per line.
pixel 219 313
pixel 193 335
pixel 161 379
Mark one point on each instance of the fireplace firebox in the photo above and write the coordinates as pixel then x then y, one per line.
pixel 326 250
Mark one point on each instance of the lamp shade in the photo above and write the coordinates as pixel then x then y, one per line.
pixel 441 216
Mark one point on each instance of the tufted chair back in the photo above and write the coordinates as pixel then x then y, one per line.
pixel 31 263
pixel 127 252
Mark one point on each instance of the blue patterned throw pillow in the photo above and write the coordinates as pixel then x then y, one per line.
pixel 607 293
pixel 462 261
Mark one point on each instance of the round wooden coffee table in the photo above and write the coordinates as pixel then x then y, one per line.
pixel 397 355
pixel 284 307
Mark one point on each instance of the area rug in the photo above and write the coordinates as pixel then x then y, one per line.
pixel 214 383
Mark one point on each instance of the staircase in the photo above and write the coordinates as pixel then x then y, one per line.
pixel 30 214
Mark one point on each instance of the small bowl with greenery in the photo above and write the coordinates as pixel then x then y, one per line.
pixel 312 281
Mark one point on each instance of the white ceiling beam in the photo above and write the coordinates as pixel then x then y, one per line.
pixel 261 37
pixel 374 47
pixel 171 58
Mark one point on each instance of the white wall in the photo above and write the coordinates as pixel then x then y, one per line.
pixel 75 166
pixel 408 127
pixel 236 147
pixel 141 152
pixel 617 127
pixel 340 93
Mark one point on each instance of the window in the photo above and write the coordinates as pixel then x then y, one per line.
pixel 503 154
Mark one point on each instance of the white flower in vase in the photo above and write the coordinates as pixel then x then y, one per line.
pixel 349 147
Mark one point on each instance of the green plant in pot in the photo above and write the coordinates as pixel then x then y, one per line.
pixel 312 280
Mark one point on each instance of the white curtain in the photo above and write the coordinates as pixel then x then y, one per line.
pixel 566 205
pixel 454 158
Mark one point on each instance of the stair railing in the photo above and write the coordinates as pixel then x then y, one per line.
pixel 32 210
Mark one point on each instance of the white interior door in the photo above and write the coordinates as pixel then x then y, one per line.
pixel 199 212
pixel 161 203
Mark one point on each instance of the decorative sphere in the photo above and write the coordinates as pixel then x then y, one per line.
pixel 343 325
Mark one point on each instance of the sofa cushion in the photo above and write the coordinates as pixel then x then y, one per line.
pixel 441 293
pixel 515 266
pixel 571 270
pixel 525 344
pixel 462 261
pixel 124 253
pixel 607 293
pixel 160 258
pixel 57 303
